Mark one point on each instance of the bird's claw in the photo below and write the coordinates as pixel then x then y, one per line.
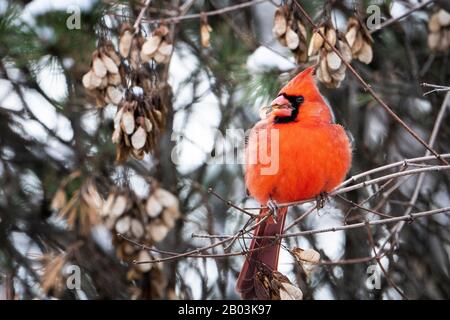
pixel 273 207
pixel 321 199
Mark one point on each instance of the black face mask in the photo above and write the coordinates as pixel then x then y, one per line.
pixel 296 102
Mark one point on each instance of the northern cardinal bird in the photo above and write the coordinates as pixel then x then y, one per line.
pixel 310 155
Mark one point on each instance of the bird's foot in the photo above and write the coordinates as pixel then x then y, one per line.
pixel 321 199
pixel 273 207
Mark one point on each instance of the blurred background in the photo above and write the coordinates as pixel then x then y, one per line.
pixel 64 196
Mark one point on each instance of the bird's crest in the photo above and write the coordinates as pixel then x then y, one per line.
pixel 302 82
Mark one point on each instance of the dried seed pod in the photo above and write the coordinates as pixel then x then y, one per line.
pixel 161 31
pixel 359 40
pixel 114 79
pixel 128 123
pixel 316 42
pixel 290 292
pixel 157 47
pixel 91 81
pixel 322 73
pixel 144 256
pixel 292 39
pixel 358 44
pixel 350 36
pixel 102 80
pixel 111 52
pixel 166 198
pixel 280 22
pixel 443 17
pixel 439 31
pixel 331 70
pixel 123 225
pixel 59 199
pixel 434 23
pixel 86 80
pixel 98 66
pixel 205 32
pixel 119 207
pixel 165 49
pixel 345 50
pixel 168 218
pixel 434 40
pixel 140 122
pixel 148 125
pixel 108 205
pixel 153 207
pixel 125 41
pixel 308 259
pixel 331 38
pixel 273 285
pixel 138 139
pixel 137 229
pixel 333 61
pixel 366 54
pixel 151 45
pixel 114 94
pixel 291 32
pixel 109 64
pixel 157 230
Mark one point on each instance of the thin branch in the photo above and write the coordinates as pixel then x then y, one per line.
pixel 437 88
pixel 389 176
pixel 410 217
pixel 229 203
pixel 341 190
pixel 420 179
pixel 137 23
pixel 400 17
pixel 208 14
pixel 388 278
pixel 303 216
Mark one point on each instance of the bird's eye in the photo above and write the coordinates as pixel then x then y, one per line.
pixel 299 99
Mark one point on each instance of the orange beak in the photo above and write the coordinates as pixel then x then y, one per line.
pixel 281 107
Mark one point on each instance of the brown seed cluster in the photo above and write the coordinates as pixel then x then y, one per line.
pixel 331 69
pixel 103 81
pixel 205 32
pixel 359 40
pixel 272 285
pixel 146 221
pixel 439 31
pixel 51 279
pixel 141 111
pixel 137 123
pixel 307 259
pixel 157 46
pixel 291 32
pixel 81 211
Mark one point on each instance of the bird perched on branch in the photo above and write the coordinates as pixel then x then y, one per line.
pixel 296 152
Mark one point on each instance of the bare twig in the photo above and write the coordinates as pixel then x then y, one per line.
pixel 229 203
pixel 388 277
pixel 341 228
pixel 437 88
pixel 209 13
pixel 400 17
pixel 340 189
pixel 420 179
pixel 137 23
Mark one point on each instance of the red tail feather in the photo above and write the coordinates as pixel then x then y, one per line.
pixel 267 257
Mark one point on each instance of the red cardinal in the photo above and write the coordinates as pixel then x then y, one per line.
pixel 309 155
